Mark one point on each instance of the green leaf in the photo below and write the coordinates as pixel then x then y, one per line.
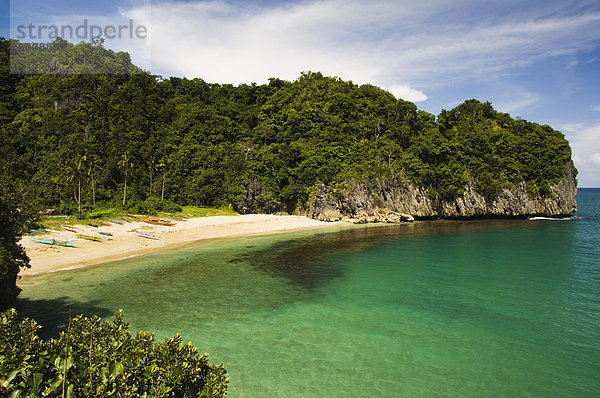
pixel 69 362
pixel 37 379
pixel 9 378
pixel 70 391
pixel 15 394
pixel 53 386
pixel 12 375
pixel 116 368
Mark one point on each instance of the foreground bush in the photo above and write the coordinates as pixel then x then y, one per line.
pixel 95 358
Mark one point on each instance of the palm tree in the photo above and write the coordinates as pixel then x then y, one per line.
pixel 126 163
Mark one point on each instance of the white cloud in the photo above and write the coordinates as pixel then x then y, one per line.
pixel 406 47
pixel 515 99
pixel 595 108
pixel 585 142
pixel 407 93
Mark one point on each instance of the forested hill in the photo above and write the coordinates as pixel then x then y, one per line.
pixel 81 140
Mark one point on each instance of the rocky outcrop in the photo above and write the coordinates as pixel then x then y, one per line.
pixel 395 199
pixel 256 199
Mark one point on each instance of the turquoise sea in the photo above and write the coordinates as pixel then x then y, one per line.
pixel 436 308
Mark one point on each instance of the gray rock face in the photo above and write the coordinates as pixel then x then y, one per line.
pixel 395 199
pixel 256 199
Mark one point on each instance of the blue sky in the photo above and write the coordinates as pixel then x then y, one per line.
pixel 539 60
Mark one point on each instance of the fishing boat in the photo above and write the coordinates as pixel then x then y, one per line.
pixel 68 228
pixel 124 219
pixel 36 231
pixel 60 217
pixel 88 237
pixel 147 236
pixel 116 222
pixel 106 224
pixel 50 230
pixel 93 225
pixel 105 233
pixel 163 223
pixel 52 242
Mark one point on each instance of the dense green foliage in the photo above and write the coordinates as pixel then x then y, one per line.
pixel 100 359
pixel 12 255
pixel 123 138
pixel 13 194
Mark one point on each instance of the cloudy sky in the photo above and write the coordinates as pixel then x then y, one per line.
pixel 539 60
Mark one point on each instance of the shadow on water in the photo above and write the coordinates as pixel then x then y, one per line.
pixel 53 314
pixel 307 261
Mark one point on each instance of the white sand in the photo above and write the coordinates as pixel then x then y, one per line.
pixel 125 243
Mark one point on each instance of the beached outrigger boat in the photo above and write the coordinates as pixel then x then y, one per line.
pixel 105 233
pixel 93 225
pixel 52 242
pixel 147 236
pixel 68 228
pixel 116 222
pixel 163 223
pixel 124 219
pixel 88 237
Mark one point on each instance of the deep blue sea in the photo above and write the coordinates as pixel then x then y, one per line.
pixel 439 308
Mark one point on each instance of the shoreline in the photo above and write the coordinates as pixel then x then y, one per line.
pixel 125 243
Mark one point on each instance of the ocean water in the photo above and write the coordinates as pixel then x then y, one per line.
pixel 440 308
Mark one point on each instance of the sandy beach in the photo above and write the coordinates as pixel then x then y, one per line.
pixel 126 243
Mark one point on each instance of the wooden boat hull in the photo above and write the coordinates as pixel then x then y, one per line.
pixel 105 233
pixel 116 222
pixel 163 223
pixel 68 228
pixel 87 237
pixel 147 236
pixel 53 242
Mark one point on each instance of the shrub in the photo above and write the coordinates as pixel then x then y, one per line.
pixel 67 207
pixel 95 358
pixel 153 205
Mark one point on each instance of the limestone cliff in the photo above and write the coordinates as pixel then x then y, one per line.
pixel 395 198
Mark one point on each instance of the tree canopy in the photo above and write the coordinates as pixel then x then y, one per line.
pixel 120 138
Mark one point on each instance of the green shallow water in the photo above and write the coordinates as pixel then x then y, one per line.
pixel 481 308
